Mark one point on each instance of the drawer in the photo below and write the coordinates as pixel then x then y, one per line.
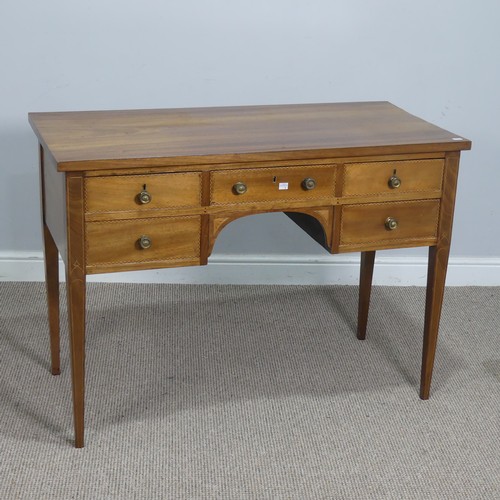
pixel 409 176
pixel 379 225
pixel 123 192
pixel 118 242
pixel 258 185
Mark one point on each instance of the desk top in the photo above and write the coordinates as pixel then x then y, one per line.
pixel 93 140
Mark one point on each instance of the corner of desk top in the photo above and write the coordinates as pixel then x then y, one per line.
pixel 32 122
pixel 463 144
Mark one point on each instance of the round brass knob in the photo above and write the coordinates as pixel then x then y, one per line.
pixel 144 197
pixel 240 188
pixel 391 223
pixel 145 242
pixel 394 182
pixel 308 183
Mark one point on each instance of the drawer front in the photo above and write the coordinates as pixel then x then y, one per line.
pixel 272 184
pixel 171 239
pixel 123 192
pixel 393 177
pixel 382 224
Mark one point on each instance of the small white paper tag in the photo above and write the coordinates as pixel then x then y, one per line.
pixel 456 139
pixel 282 186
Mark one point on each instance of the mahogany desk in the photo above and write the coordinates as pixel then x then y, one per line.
pixel 145 189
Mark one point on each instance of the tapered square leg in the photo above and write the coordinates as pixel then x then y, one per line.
pixel 76 311
pixel 436 276
pixel 51 261
pixel 365 288
pixel 76 289
pixel 52 285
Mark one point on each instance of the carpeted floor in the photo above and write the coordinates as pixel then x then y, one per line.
pixel 252 392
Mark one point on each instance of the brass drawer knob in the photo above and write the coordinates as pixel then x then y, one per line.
pixel 240 188
pixel 308 183
pixel 145 242
pixel 144 197
pixel 394 182
pixel 391 223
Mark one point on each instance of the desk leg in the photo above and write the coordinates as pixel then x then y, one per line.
pixel 436 275
pixel 365 288
pixel 75 283
pixel 51 262
pixel 52 285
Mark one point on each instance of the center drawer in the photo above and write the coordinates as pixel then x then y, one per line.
pixel 260 185
pixel 169 241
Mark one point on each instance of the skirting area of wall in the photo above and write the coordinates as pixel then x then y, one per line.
pixel 278 269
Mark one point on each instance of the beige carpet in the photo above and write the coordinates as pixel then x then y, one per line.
pixel 252 392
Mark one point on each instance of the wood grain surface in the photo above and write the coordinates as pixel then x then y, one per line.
pixel 272 185
pixel 418 177
pixel 363 225
pixel 174 241
pixel 93 140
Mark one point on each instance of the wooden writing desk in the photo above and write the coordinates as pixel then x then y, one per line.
pixel 130 190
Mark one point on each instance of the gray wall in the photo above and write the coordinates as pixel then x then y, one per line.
pixel 438 60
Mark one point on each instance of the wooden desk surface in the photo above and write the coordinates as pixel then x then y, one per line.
pixel 94 140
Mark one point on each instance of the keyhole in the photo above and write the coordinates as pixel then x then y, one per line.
pixel 144 186
pixel 274 180
pixel 394 173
